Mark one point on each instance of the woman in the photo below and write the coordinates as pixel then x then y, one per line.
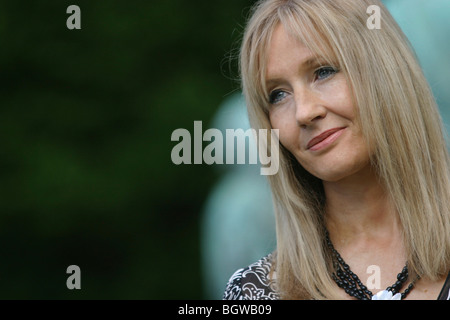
pixel 362 197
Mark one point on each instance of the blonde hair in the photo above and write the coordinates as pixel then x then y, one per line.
pixel 395 108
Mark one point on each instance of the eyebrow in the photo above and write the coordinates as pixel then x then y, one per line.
pixel 308 62
pixel 312 60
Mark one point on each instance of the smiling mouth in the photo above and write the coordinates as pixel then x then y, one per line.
pixel 324 139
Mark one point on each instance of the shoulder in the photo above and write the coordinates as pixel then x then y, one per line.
pixel 253 282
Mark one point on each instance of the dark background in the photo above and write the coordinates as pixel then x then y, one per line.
pixel 86 118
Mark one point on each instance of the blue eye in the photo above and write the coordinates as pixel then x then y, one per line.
pixel 324 72
pixel 276 96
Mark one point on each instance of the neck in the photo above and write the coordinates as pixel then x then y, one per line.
pixel 358 208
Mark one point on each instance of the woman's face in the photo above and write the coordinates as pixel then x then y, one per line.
pixel 311 105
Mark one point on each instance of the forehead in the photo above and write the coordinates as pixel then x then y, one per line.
pixel 285 51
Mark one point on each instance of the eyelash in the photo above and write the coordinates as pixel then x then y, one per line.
pixel 333 70
pixel 274 95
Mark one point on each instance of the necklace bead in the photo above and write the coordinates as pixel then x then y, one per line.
pixel 352 285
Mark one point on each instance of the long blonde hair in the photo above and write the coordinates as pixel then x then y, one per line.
pixel 395 108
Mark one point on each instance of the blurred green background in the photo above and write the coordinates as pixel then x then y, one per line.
pixel 86 118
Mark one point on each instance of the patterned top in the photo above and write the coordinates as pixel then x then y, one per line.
pixel 254 283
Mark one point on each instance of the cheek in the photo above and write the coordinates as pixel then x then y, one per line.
pixel 289 131
pixel 349 108
pixel 339 100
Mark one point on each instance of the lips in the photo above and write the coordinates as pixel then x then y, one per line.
pixel 326 136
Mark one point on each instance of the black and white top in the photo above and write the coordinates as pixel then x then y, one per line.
pixel 254 283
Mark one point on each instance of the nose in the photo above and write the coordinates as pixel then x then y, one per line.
pixel 309 107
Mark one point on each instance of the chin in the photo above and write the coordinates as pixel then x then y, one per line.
pixel 336 172
pixel 331 177
pixel 339 164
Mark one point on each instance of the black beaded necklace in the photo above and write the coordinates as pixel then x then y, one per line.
pixel 353 286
